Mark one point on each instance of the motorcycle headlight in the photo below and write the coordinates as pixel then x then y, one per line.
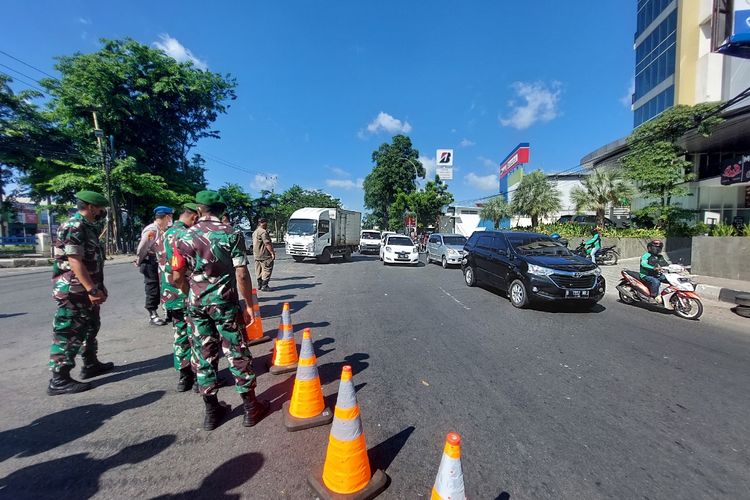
pixel 539 270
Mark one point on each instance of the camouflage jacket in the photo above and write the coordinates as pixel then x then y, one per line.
pixel 79 237
pixel 212 250
pixel 171 296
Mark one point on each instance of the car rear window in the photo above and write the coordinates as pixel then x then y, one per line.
pixel 402 241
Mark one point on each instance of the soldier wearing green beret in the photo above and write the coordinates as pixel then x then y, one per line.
pixel 215 271
pixel 78 288
pixel 173 299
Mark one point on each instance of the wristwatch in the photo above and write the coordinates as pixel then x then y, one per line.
pixel 94 291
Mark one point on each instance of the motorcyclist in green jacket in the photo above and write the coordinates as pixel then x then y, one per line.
pixel 594 244
pixel 651 264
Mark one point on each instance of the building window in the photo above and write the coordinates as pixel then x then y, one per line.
pixel 655 56
pixel 654 106
pixel 648 10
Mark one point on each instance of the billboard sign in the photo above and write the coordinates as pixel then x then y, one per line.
pixel 737 170
pixel 519 156
pixel 444 173
pixel 731 27
pixel 444 158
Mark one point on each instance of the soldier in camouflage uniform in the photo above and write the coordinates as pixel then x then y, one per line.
pixel 78 288
pixel 174 300
pixel 215 265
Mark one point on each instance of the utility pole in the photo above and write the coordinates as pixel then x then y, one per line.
pixel 106 165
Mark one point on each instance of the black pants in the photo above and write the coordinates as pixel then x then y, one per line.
pixel 150 271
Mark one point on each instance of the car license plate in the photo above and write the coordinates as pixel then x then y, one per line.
pixel 576 294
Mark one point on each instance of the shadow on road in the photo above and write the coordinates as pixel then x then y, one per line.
pixel 291 278
pixel 384 453
pixel 10 315
pixel 279 393
pixel 265 298
pixel 57 429
pixel 318 344
pixel 311 325
pixel 301 286
pixel 504 495
pixel 272 310
pixel 553 307
pixel 136 368
pixel 228 476
pixel 330 372
pixel 76 476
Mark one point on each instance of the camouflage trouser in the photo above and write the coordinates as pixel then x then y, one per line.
pixel 215 325
pixel 75 324
pixel 183 340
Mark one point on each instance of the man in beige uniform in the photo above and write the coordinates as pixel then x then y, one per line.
pixel 263 254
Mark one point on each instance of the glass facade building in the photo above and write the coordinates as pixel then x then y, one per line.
pixel 655 58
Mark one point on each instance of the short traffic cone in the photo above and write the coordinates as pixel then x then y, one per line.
pixel 285 349
pixel 346 472
pixel 254 333
pixel 306 408
pixel 449 483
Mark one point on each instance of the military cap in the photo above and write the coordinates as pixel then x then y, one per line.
pixel 191 206
pixel 262 220
pixel 93 198
pixel 209 198
pixel 162 210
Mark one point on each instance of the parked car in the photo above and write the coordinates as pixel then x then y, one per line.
pixel 399 249
pixel 564 219
pixel 369 241
pixel 530 267
pixel 448 249
pixel 590 220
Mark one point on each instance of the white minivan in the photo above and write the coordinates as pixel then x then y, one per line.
pixel 369 241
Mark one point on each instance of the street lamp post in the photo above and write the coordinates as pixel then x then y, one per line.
pixel 416 185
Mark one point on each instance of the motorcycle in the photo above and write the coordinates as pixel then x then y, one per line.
pixel 679 294
pixel 606 256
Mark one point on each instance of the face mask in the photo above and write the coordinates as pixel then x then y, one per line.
pixel 100 216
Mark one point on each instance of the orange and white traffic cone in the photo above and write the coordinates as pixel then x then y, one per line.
pixel 346 472
pixel 285 349
pixel 254 333
pixel 307 408
pixel 449 483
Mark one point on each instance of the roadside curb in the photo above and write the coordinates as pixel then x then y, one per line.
pixel 24 262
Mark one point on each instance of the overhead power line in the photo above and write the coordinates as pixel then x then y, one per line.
pixel 21 80
pixel 27 64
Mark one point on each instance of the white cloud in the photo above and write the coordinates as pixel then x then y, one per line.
pixel 174 49
pixel 84 20
pixel 467 143
pixel 482 182
pixel 344 183
pixel 264 181
pixel 386 123
pixel 429 165
pixel 339 172
pixel 541 105
pixel 627 99
pixel 487 162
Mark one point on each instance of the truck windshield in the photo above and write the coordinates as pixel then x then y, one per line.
pixel 301 227
pixel 371 236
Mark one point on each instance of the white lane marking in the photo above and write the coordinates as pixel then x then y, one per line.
pixel 454 298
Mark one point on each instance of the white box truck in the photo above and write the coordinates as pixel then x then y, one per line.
pixel 322 233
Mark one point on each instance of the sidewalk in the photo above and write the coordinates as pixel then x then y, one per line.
pixel 37 265
pixel 709 288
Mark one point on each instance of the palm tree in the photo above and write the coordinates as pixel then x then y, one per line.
pixel 535 197
pixel 599 189
pixel 495 210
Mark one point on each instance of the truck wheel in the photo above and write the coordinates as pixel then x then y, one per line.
pixel 325 257
pixel 298 258
pixel 347 255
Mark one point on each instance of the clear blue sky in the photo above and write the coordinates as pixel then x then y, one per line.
pixel 323 83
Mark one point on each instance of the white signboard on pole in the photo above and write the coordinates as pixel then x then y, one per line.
pixel 444 173
pixel 444 158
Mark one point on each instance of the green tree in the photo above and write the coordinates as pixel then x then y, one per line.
pixel 656 163
pixel 368 221
pixel 495 209
pixel 599 189
pixel 239 203
pixel 397 167
pixel 426 205
pixel 535 197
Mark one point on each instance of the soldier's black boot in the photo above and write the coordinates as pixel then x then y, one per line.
pixel 61 383
pixel 215 412
pixel 255 409
pixel 155 320
pixel 265 287
pixel 92 366
pixel 187 379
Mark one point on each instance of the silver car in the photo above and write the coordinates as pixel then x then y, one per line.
pixel 448 249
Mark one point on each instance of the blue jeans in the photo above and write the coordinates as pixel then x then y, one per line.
pixel 592 255
pixel 653 284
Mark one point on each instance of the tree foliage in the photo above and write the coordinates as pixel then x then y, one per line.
pixel 425 204
pixel 495 209
pixel 656 163
pixel 599 189
pixel 397 167
pixel 535 197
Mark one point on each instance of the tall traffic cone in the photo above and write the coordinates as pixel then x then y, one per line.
pixel 254 333
pixel 284 349
pixel 346 472
pixel 449 483
pixel 306 408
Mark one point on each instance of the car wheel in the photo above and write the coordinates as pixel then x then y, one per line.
pixel 445 262
pixel 517 294
pixel 469 277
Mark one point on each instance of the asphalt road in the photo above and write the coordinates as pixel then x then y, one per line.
pixel 615 403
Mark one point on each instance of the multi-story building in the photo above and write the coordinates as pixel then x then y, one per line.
pixel 676 63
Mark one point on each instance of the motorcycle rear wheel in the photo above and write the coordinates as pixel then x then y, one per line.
pixel 693 309
pixel 608 258
pixel 625 299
